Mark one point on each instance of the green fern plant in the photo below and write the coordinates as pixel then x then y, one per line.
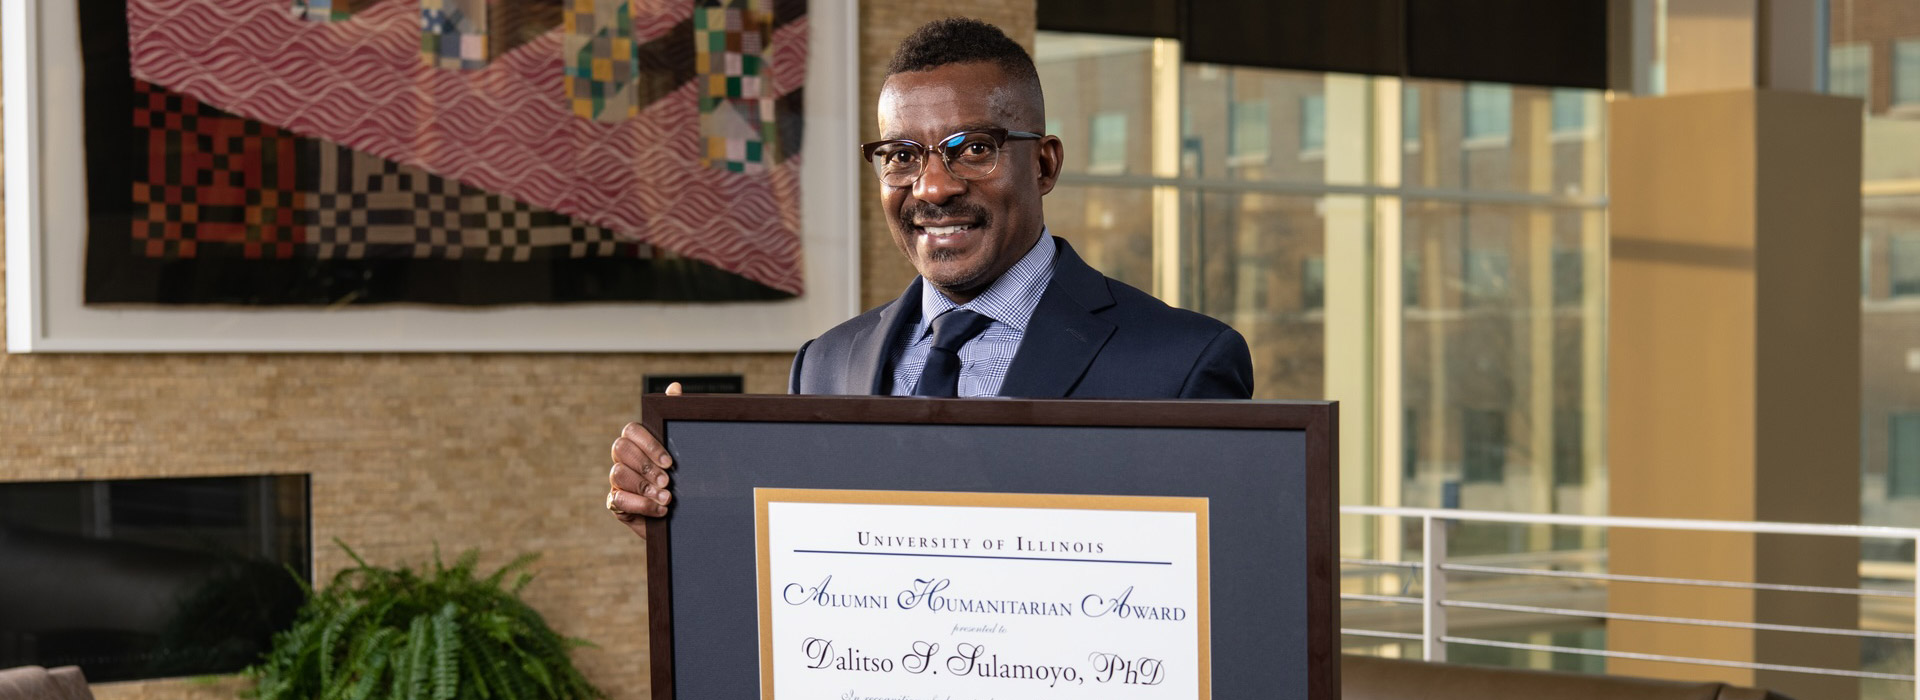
pixel 398 634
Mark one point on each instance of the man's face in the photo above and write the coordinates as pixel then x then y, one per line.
pixel 962 234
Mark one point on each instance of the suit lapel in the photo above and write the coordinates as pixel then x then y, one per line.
pixel 867 364
pixel 1064 335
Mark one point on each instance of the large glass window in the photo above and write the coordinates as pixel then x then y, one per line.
pixel 1890 252
pixel 1264 205
pixel 1863 32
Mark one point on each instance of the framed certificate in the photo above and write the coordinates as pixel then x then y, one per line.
pixel 880 547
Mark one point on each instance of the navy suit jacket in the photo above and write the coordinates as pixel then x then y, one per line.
pixel 1090 337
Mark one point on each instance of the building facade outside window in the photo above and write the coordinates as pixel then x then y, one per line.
pixel 1886 30
pixel 1472 377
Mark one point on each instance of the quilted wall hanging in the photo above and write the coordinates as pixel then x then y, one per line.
pixel 465 152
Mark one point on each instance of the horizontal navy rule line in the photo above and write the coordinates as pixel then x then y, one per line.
pixel 980 556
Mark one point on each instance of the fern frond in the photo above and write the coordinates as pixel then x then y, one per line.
pixel 446 651
pixel 466 564
pixel 471 675
pixel 375 667
pixel 350 553
pixel 418 656
pixel 330 636
pixel 520 562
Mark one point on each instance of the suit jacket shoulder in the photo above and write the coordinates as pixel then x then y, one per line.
pixel 1150 350
pixel 848 358
pixel 1090 337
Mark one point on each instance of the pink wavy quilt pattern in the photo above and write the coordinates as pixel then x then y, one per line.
pixel 504 128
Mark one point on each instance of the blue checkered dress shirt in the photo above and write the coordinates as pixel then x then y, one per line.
pixel 1009 301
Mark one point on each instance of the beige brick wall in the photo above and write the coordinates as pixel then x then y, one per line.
pixel 506 453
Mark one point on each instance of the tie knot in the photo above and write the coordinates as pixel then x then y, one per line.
pixel 954 328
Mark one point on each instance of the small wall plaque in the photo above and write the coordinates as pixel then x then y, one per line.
pixel 697 383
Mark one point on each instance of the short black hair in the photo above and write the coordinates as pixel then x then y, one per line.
pixel 961 40
pixel 966 40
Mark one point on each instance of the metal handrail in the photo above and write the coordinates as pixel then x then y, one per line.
pixel 1760 528
pixel 1434 567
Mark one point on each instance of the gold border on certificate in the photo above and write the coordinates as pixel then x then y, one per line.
pixel 1163 504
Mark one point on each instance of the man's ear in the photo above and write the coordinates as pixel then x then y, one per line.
pixel 1051 155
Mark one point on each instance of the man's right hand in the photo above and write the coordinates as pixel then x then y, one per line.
pixel 639 478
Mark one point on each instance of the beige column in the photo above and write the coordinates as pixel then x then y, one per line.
pixel 1532 242
pixel 1389 410
pixel 1348 346
pixel 1734 375
pixel 1170 259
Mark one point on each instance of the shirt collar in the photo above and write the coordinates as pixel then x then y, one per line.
pixel 1009 300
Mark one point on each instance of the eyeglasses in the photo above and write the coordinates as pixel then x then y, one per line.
pixel 969 155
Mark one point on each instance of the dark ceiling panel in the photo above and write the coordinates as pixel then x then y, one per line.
pixel 1350 36
pixel 1535 42
pixel 1155 18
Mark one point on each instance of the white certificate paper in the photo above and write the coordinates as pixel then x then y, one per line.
pixel 898 595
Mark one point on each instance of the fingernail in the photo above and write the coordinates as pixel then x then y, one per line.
pixel 663 496
pixel 660 480
pixel 666 461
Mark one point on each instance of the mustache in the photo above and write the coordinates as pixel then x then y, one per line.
pixel 957 209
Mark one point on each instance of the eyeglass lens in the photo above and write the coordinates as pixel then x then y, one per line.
pixel 968 155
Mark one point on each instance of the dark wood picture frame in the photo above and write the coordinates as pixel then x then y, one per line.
pixel 1161 423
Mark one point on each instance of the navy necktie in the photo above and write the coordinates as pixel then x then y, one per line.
pixel 941 377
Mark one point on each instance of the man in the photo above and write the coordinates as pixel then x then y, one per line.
pixel 1001 308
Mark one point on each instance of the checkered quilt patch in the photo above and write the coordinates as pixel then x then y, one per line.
pixel 453 33
pixel 600 56
pixel 737 119
pixel 212 178
pixel 470 34
pixel 370 207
